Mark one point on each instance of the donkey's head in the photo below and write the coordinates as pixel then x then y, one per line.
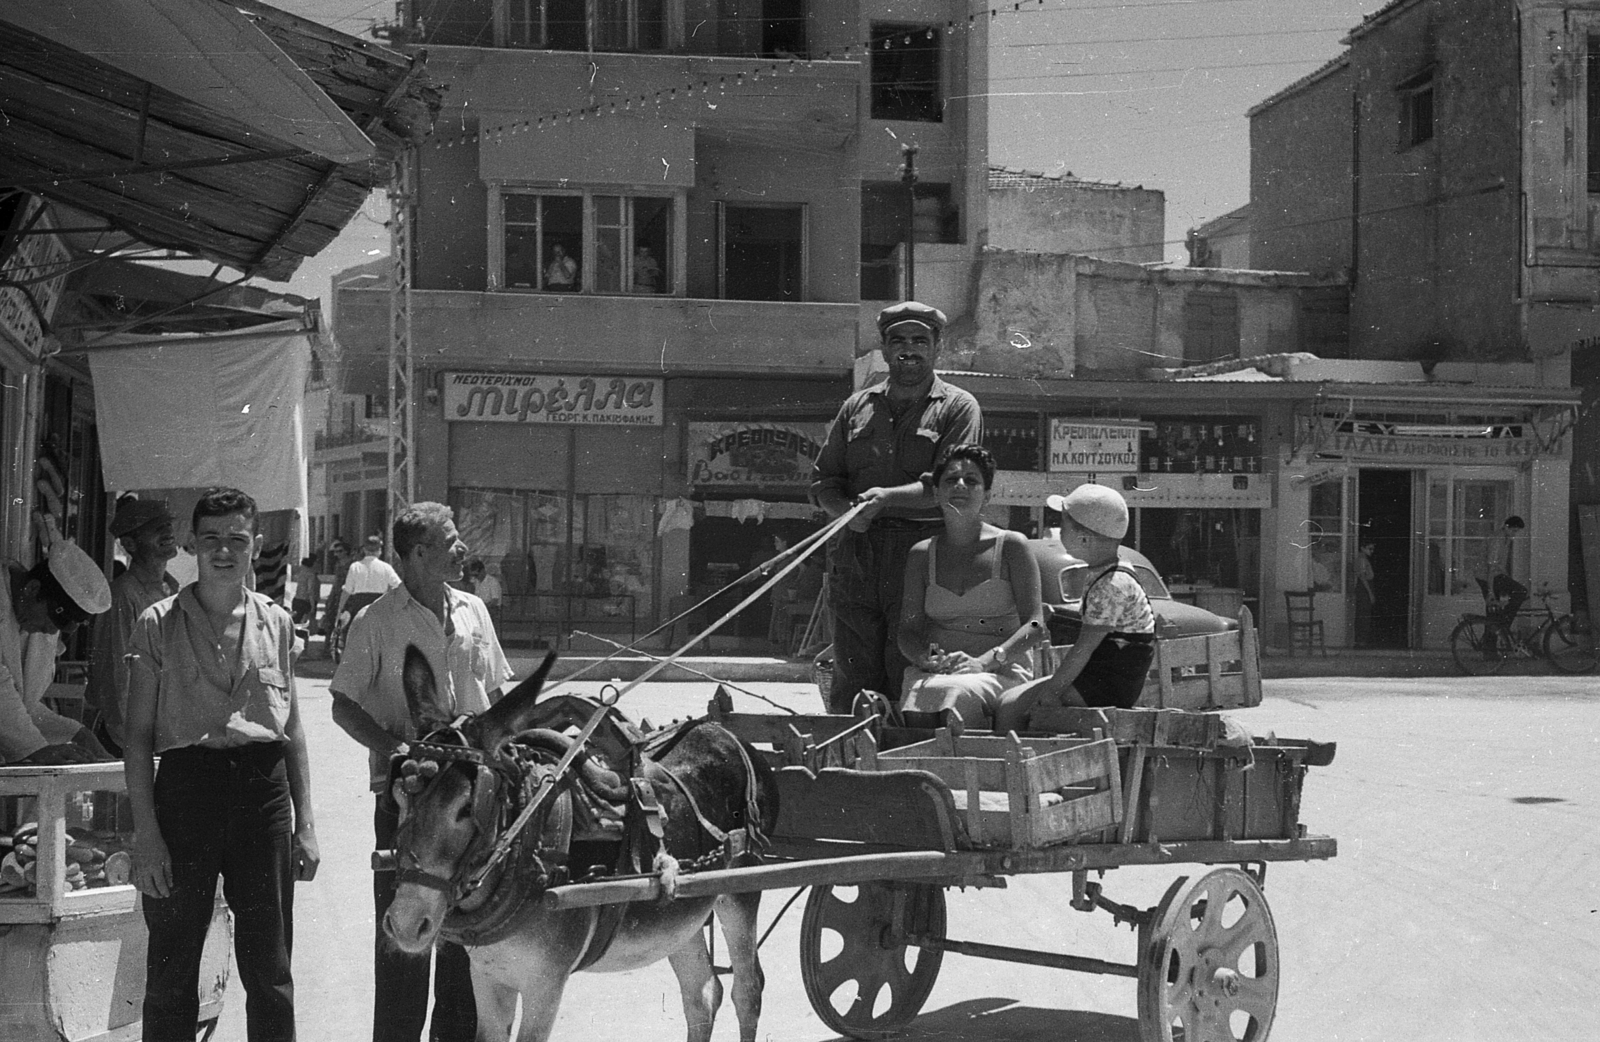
pixel 448 790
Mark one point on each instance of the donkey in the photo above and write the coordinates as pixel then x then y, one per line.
pixel 441 839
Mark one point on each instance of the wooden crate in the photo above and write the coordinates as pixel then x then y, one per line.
pixel 1210 671
pixel 1006 789
pixel 1182 793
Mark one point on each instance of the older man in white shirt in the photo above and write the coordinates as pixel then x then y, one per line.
pixel 453 629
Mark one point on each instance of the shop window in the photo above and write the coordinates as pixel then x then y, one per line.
pixel 905 73
pixel 763 252
pixel 1014 441
pixel 1416 109
pixel 628 249
pixel 562 560
pixel 1325 536
pixel 1464 519
pixel 1210 327
pixel 1201 445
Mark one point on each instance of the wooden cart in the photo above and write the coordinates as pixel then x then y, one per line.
pixel 877 821
pixel 72 961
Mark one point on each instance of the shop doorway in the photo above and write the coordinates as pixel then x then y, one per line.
pixel 721 549
pixel 1382 617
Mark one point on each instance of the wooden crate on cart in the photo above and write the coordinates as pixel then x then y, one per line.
pixel 1021 794
pixel 1199 776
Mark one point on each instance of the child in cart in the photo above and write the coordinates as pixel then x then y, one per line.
pixel 1108 664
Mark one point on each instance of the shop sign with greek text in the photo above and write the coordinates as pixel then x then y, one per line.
pixel 748 453
pixel 1096 448
pixel 616 401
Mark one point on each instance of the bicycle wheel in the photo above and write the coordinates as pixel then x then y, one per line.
pixel 1479 649
pixel 1569 645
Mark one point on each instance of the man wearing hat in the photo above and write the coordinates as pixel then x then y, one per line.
pixel 879 447
pixel 145 529
pixel 54 597
pixel 1108 663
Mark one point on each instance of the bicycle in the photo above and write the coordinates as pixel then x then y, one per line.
pixel 1481 644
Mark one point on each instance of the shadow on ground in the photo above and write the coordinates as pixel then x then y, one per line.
pixel 997 1018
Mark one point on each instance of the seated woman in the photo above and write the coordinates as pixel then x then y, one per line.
pixel 1108 664
pixel 971 607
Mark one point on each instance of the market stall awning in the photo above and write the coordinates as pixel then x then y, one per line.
pixel 232 131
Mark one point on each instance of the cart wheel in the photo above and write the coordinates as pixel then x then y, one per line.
pixel 1208 968
pixel 891 978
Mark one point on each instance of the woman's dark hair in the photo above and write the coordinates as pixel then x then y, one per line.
pixel 974 453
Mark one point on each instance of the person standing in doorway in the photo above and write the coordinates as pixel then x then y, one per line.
pixel 1366 596
pixel 880 451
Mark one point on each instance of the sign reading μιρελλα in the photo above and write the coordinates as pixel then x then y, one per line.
pixel 552 398
pixel 1102 448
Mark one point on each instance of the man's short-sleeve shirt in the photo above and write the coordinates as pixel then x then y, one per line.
pixel 866 448
pixel 370 575
pixel 467 662
pixel 211 692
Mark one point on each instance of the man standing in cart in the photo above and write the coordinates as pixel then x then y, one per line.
pixel 56 596
pixel 144 526
pixel 211 691
pixel 453 629
pixel 878 452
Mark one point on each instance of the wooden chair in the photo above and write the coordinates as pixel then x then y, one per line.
pixel 1305 629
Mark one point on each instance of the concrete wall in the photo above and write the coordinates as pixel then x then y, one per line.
pixel 1125 224
pixel 1064 315
pixel 1300 180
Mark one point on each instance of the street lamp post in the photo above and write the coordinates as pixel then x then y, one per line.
pixel 908 176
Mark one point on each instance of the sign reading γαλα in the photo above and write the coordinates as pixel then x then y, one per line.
pixel 1099 448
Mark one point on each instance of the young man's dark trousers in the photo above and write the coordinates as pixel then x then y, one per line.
pixel 400 979
pixel 223 812
pixel 864 587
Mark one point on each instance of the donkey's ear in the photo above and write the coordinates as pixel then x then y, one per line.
pixel 512 714
pixel 422 692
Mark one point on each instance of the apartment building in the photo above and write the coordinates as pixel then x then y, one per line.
pixel 650 239
pixel 1444 162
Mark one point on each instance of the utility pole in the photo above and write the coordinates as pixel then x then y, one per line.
pixel 402 409
pixel 908 177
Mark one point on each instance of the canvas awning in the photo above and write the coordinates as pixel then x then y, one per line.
pixel 231 131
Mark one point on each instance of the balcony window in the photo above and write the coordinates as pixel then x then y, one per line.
pixel 563 25
pixel 763 252
pixel 587 242
pixel 905 73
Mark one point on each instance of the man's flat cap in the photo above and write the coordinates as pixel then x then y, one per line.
pixel 133 514
pixel 910 311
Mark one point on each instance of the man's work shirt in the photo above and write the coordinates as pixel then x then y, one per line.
pixel 466 660
pixel 370 575
pixel 866 448
pixel 108 665
pixel 27 667
pixel 210 691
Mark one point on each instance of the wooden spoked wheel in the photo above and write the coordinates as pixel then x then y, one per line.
pixel 863 976
pixel 1208 962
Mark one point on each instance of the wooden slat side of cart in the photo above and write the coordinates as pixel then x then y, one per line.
pixel 72 962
